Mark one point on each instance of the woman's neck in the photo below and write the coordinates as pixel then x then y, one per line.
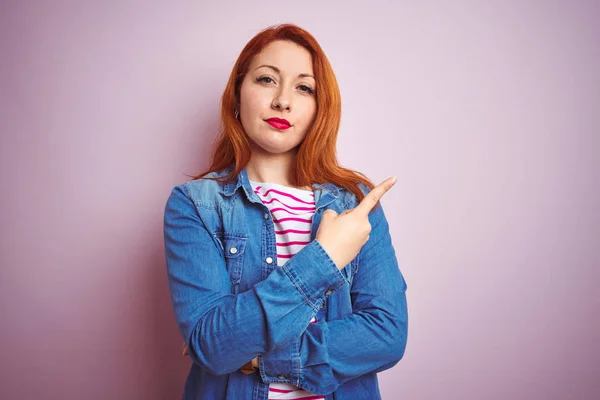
pixel 274 171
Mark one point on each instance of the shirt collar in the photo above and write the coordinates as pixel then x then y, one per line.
pixel 241 180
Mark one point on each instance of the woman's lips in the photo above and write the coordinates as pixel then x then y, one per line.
pixel 277 123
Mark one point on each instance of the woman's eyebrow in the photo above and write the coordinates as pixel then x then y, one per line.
pixel 278 71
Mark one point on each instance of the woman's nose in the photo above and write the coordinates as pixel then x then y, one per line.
pixel 281 102
pixel 278 105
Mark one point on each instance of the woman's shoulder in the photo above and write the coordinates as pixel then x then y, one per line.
pixel 350 199
pixel 203 192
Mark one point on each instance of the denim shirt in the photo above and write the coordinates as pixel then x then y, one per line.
pixel 232 303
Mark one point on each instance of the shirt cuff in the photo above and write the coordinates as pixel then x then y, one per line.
pixel 282 366
pixel 314 274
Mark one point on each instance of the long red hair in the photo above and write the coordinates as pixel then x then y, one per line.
pixel 316 160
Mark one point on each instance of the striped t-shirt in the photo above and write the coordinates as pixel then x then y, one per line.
pixel 292 210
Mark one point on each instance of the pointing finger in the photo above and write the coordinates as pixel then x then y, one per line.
pixel 367 204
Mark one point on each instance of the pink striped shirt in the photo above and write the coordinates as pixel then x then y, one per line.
pixel 292 210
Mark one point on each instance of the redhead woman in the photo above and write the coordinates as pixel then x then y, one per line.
pixel 283 278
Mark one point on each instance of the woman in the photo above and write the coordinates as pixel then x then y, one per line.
pixel 282 274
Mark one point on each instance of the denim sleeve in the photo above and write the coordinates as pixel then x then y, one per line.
pixel 222 330
pixel 372 339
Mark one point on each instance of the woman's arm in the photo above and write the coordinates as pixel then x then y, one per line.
pixel 372 339
pixel 222 331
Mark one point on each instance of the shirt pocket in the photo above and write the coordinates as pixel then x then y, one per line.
pixel 234 246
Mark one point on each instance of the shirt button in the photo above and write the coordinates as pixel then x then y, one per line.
pixel 323 305
pixel 281 376
pixel 327 293
pixel 233 250
pixel 266 215
pixel 269 260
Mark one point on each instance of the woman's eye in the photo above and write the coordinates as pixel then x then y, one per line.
pixel 306 89
pixel 264 79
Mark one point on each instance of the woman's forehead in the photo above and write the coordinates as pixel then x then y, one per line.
pixel 284 57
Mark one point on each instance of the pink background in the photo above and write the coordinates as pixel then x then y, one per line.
pixel 489 114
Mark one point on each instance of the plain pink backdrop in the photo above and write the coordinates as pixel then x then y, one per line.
pixel 489 114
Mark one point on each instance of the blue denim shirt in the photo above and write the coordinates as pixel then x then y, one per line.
pixel 232 303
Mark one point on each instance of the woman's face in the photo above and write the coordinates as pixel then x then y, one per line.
pixel 279 84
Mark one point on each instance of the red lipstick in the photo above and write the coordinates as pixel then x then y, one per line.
pixel 278 123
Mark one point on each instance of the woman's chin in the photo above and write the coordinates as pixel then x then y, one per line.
pixel 277 148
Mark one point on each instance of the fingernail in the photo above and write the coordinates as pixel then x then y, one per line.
pixel 394 179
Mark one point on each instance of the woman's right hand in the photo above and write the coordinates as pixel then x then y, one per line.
pixel 342 236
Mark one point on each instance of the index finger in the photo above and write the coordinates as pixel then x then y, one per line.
pixel 371 199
